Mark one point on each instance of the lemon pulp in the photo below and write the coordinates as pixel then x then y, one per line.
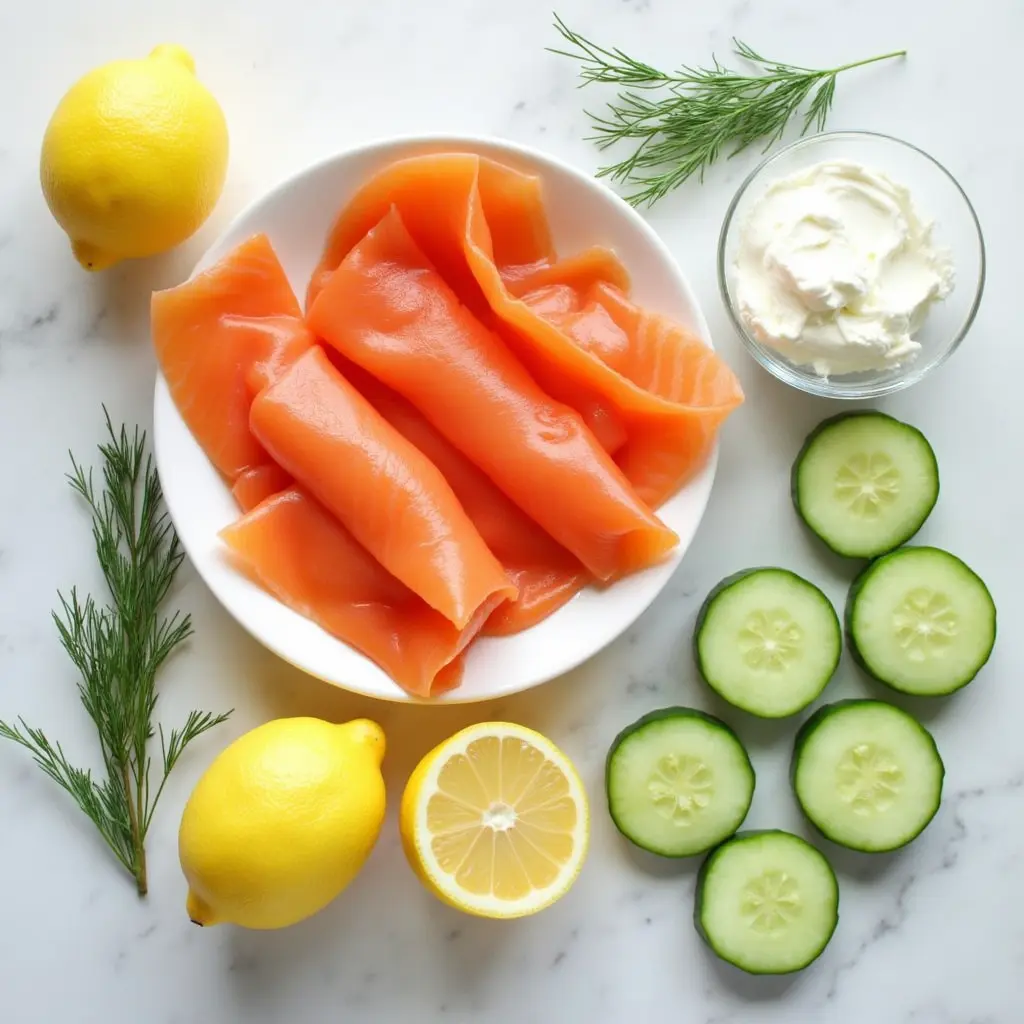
pixel 495 821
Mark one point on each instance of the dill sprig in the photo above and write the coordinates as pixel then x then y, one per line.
pixel 680 122
pixel 118 647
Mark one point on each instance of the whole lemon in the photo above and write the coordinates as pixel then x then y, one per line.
pixel 134 158
pixel 282 821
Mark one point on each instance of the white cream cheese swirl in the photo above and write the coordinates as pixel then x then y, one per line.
pixel 836 269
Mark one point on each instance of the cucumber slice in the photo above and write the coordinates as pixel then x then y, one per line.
pixel 920 621
pixel 867 775
pixel 678 782
pixel 865 483
pixel 767 641
pixel 767 902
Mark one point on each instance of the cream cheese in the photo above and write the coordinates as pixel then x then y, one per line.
pixel 836 269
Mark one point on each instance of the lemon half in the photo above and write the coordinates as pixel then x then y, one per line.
pixel 495 821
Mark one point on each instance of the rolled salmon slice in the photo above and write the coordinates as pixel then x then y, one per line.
pixel 388 310
pixel 483 226
pixel 221 337
pixel 546 574
pixel 387 493
pixel 295 549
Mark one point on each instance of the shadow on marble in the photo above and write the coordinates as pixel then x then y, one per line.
pixel 865 867
pixel 261 963
pixel 683 663
pixel 471 947
pixel 829 568
pixel 927 710
pixel 751 988
pixel 410 935
pixel 122 312
pixel 759 735
pixel 662 867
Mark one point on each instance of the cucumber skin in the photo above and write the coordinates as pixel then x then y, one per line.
pixel 698 902
pixel 794 475
pixel 804 734
pixel 702 615
pixel 659 715
pixel 851 599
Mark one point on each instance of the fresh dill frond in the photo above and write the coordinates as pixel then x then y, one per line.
pixel 118 646
pixel 679 123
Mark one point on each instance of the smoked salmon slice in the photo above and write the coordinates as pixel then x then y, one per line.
pixel 433 194
pixel 258 483
pixel 673 365
pixel 483 226
pixel 387 493
pixel 597 263
pixel 388 309
pixel 546 575
pixel 296 550
pixel 221 337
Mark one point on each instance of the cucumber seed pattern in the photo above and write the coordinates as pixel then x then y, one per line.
pixel 868 483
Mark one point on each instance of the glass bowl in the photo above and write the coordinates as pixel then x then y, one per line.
pixel 937 196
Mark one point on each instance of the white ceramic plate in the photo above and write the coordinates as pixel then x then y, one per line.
pixel 296 216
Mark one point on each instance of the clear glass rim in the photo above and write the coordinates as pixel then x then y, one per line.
pixel 825 387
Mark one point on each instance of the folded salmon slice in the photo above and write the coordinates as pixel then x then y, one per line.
pixel 546 574
pixel 485 230
pixel 670 362
pixel 579 272
pixel 433 194
pixel 258 483
pixel 221 337
pixel 659 383
pixel 390 496
pixel 388 310
pixel 483 203
pixel 298 551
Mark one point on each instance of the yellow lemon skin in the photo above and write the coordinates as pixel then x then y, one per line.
pixel 134 158
pixel 282 821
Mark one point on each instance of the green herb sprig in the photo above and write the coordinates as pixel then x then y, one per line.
pixel 118 647
pixel 680 122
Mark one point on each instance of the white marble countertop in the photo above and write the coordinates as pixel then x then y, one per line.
pixel 932 935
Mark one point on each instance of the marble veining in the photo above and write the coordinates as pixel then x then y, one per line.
pixel 949 857
pixel 928 935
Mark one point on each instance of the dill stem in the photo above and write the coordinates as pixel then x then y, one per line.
pixel 139 819
pixel 138 844
pixel 869 60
